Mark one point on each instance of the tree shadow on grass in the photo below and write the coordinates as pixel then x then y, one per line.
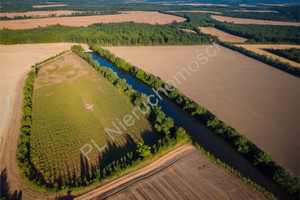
pixel 5 189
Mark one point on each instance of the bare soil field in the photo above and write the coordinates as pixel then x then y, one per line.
pixel 135 16
pixel 258 100
pixel 202 4
pixel 257 11
pixel 252 21
pixel 189 30
pixel 259 48
pixel 39 13
pixel 182 173
pixel 15 62
pixel 49 6
pixel 195 11
pixel 223 36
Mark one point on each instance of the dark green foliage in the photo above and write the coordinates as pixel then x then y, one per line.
pixel 104 34
pixel 285 13
pixel 291 54
pixel 262 33
pixel 275 63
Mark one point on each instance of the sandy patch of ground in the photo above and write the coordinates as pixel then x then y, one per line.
pixel 259 48
pixel 257 11
pixel 188 30
pixel 258 100
pixel 182 173
pixel 247 5
pixel 15 62
pixel 39 13
pixel 196 4
pixel 223 36
pixel 278 4
pixel 195 11
pixel 49 6
pixel 252 21
pixel 135 16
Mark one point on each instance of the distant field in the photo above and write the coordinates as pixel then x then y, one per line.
pixel 49 6
pixel 195 11
pixel 73 104
pixel 189 30
pixel 181 174
pixel 259 48
pixel 257 11
pixel 223 36
pixel 135 16
pixel 261 102
pixel 39 13
pixel 252 21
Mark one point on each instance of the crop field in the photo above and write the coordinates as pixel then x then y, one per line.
pixel 49 6
pixel 252 21
pixel 189 176
pixel 135 16
pixel 223 36
pixel 39 13
pixel 241 91
pixel 259 48
pixel 195 11
pixel 73 104
pixel 257 11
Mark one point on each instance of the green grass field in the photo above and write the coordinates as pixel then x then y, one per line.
pixel 72 104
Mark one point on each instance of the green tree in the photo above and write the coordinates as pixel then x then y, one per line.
pixel 143 150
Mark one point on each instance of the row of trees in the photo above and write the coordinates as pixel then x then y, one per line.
pixel 262 33
pixel 128 33
pixel 275 63
pixel 256 156
pixel 291 54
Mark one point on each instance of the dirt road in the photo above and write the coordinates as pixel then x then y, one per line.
pixel 182 173
pixel 15 62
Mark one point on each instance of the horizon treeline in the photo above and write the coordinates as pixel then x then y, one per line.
pixel 128 33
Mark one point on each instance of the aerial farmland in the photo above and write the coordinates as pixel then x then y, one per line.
pixel 149 100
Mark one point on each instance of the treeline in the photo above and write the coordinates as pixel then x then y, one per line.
pixel 105 34
pixel 263 58
pixel 262 33
pixel 23 149
pixel 291 54
pixel 256 156
pixel 285 13
pixel 75 14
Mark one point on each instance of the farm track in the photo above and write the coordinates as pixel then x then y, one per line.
pixel 182 173
pixel 11 129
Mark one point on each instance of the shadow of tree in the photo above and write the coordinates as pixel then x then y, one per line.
pixel 5 190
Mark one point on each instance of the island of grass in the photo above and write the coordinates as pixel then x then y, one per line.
pixel 72 105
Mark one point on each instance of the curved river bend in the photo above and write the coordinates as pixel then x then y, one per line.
pixel 199 133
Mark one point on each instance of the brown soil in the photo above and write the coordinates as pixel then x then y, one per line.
pixel 49 6
pixel 259 48
pixel 253 21
pixel 223 36
pixel 39 13
pixel 15 62
pixel 189 30
pixel 135 16
pixel 257 11
pixel 261 102
pixel 195 11
pixel 196 4
pixel 182 173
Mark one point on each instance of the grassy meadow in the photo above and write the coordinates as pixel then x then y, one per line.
pixel 72 104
